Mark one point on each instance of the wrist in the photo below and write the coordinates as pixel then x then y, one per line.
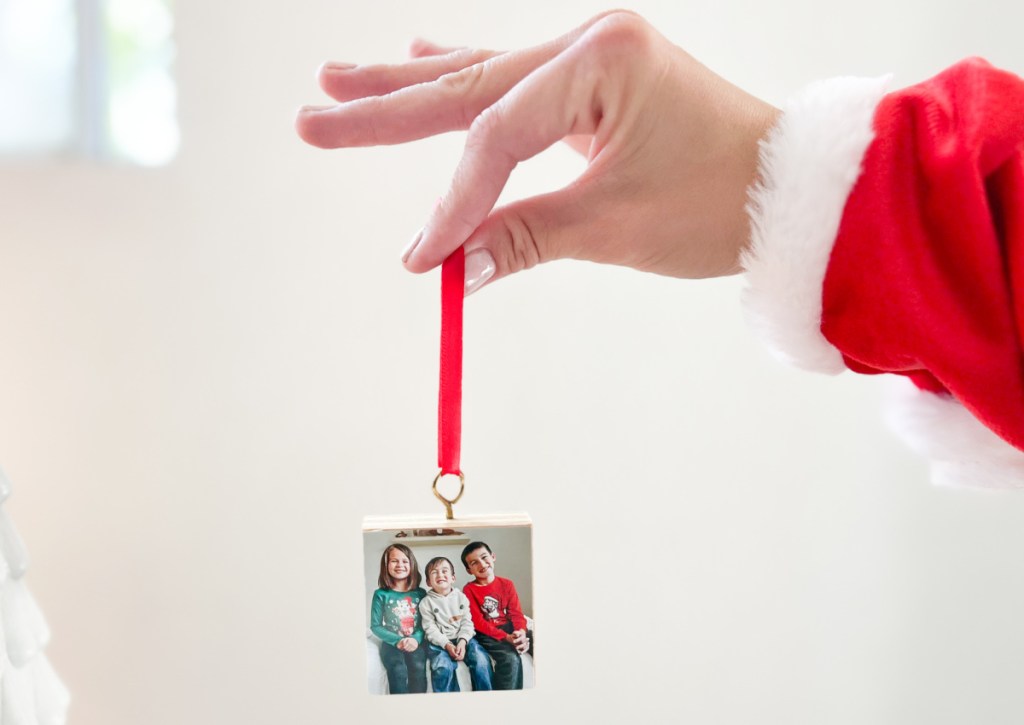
pixel 758 119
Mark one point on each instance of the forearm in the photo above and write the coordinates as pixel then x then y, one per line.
pixel 466 630
pixel 385 635
pixel 377 621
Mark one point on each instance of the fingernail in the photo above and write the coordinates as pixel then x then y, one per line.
pixel 411 247
pixel 336 66
pixel 479 268
pixel 419 44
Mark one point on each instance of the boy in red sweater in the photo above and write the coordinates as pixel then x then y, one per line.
pixel 497 616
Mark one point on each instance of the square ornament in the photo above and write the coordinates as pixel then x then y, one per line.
pixel 449 603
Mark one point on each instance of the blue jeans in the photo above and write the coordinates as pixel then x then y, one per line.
pixel 407 671
pixel 443 667
pixel 508 664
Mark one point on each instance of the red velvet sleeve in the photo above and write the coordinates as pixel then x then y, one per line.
pixel 887 235
pixel 926 275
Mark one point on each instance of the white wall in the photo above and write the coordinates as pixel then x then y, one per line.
pixel 211 372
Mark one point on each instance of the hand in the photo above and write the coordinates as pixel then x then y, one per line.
pixel 671 148
pixel 408 644
pixel 452 651
pixel 520 640
pixel 460 650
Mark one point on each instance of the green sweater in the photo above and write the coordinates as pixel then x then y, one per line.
pixel 396 615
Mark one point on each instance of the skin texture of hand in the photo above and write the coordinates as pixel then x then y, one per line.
pixel 671 149
pixel 452 651
pixel 522 644
pixel 460 651
pixel 408 644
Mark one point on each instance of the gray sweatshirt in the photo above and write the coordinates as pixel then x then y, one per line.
pixel 446 619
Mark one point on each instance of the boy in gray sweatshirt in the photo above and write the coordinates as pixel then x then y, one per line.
pixel 448 629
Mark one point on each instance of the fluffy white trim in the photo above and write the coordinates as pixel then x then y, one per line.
pixel 963 452
pixel 809 163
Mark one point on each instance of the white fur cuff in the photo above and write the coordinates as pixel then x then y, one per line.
pixel 809 163
pixel 963 452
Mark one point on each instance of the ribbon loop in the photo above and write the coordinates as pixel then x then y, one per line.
pixel 449 403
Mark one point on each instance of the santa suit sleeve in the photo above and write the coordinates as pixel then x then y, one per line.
pixel 888 237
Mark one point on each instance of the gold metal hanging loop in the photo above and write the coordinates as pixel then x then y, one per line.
pixel 448 503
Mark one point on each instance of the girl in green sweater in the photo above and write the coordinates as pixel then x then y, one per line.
pixel 395 619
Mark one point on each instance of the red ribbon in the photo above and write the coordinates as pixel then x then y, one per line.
pixel 449 399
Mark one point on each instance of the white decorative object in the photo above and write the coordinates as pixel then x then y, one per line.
pixel 30 691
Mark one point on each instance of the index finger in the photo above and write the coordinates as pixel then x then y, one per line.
pixel 552 102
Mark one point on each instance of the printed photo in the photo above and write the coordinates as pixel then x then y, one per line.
pixel 449 605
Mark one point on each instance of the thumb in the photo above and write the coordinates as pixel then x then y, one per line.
pixel 526 233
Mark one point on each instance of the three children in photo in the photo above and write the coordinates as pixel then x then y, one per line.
pixel 443 626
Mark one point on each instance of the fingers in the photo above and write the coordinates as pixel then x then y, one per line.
pixel 528 232
pixel 346 82
pixel 580 144
pixel 555 101
pixel 424 97
pixel 515 105
pixel 449 103
pixel 421 47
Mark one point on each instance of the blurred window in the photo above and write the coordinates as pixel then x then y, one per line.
pixel 87 78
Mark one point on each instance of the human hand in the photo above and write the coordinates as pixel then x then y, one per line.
pixel 671 148
pixel 460 650
pixel 452 651
pixel 408 644
pixel 521 642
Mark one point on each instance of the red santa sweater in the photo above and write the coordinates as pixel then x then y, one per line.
pixel 494 605
pixel 888 236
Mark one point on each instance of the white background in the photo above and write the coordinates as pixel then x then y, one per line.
pixel 210 372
